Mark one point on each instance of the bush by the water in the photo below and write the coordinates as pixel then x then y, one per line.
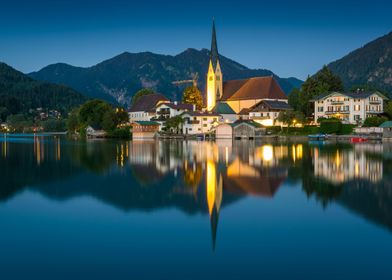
pixel 120 133
pixel 333 126
pixel 330 126
pixel 374 121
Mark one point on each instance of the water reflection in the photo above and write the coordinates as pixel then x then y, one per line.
pixel 198 177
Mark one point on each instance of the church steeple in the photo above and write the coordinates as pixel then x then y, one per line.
pixel 214 55
pixel 214 76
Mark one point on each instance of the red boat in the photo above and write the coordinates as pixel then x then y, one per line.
pixel 358 140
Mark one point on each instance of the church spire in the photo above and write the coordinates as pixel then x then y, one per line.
pixel 214 55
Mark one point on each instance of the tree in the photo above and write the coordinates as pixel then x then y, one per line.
pixel 174 124
pixel 294 99
pixel 192 95
pixel 388 109
pixel 323 82
pixel 291 117
pixel 140 93
pixel 73 120
pixel 122 116
pixel 96 113
pixel 54 125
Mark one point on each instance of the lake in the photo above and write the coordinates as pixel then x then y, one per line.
pixel 193 210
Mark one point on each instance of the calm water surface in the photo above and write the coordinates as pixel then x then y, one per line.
pixel 193 210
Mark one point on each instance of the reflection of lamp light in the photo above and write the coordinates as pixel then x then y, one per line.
pixel 267 152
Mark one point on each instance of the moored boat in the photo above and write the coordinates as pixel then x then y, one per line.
pixel 358 139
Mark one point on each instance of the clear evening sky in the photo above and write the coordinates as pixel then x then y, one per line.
pixel 291 38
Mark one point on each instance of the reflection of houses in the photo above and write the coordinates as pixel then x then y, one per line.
pixel 241 178
pixel 351 164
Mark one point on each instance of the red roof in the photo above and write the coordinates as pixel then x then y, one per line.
pixel 253 88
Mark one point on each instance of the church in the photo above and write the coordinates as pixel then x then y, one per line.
pixel 241 96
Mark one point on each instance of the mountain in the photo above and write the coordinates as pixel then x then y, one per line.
pixel 20 93
pixel 118 78
pixel 370 65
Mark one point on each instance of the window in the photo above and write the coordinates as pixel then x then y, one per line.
pixel 357 108
pixel 320 109
pixel 204 125
pixel 204 119
pixel 211 78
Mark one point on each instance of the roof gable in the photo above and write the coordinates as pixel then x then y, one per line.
pixel 223 108
pixel 270 104
pixel 147 103
pixel 356 95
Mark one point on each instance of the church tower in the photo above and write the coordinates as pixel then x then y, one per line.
pixel 214 76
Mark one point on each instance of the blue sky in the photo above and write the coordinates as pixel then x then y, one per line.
pixel 291 38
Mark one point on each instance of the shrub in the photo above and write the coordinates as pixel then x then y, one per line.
pixel 374 121
pixel 330 126
pixel 346 129
pixel 120 133
pixel 274 129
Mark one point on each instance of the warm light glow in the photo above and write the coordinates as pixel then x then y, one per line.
pixel 211 185
pixel 267 152
pixel 211 86
pixel 337 159
pixel 266 122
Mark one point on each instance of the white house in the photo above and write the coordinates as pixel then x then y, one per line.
pixel 144 107
pixel 266 112
pixel 353 108
pixel 197 122
pixel 165 111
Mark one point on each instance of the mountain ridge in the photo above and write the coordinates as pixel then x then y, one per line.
pixel 116 79
pixel 369 65
pixel 19 93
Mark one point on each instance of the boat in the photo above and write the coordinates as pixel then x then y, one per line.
pixel 358 139
pixel 317 137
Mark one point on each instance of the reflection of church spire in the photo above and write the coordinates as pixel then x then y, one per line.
pixel 214 226
pixel 214 198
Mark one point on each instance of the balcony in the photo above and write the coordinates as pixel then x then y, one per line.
pixel 337 112
pixel 163 112
pixel 375 102
pixel 337 102
pixel 193 122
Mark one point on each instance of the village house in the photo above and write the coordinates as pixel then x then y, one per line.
pixel 266 112
pixel 351 108
pixel 144 108
pixel 199 122
pixel 165 111
pixel 144 129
